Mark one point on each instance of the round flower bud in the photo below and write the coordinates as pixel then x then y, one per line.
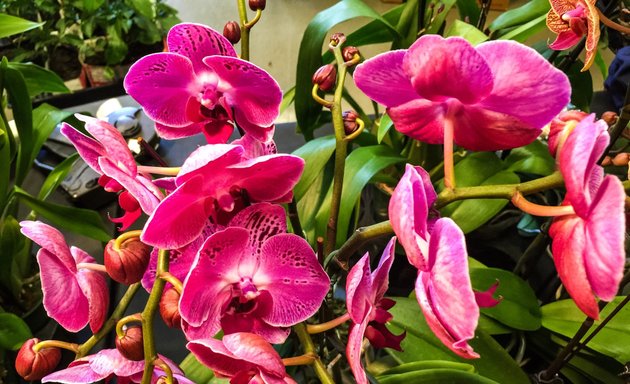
pixel 350 122
pixel 255 5
pixel 131 345
pixel 169 308
pixel 610 117
pixel 128 263
pixel 337 38
pixel 232 32
pixel 561 126
pixel 349 52
pixel 325 77
pixel 33 365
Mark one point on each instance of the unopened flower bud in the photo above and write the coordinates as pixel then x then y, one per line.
pixel 350 122
pixel 128 263
pixel 33 365
pixel 337 38
pixel 325 77
pixel 232 32
pixel 350 52
pixel 610 117
pixel 255 5
pixel 162 380
pixel 169 308
pixel 561 126
pixel 131 345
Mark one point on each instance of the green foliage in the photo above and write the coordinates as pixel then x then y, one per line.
pixel 13 331
pixel 467 31
pixel 11 25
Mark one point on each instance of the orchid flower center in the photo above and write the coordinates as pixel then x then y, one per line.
pixel 244 294
pixel 577 20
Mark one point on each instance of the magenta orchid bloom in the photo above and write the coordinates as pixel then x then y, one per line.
pixel 368 308
pixel 254 277
pixel 208 184
pixel 109 363
pixel 437 248
pixel 201 86
pixel 74 293
pixel 588 247
pixel 108 154
pixel 497 95
pixel 243 358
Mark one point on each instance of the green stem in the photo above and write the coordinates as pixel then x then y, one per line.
pixel 242 13
pixel 111 322
pixel 341 150
pixel 149 313
pixel 309 349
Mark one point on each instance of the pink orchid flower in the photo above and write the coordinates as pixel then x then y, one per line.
pixel 243 358
pixel 497 95
pixel 560 128
pixel 571 20
pixel 254 277
pixel 74 293
pixel 109 363
pixel 368 308
pixel 108 154
pixel 208 184
pixel 588 246
pixel 438 250
pixel 201 86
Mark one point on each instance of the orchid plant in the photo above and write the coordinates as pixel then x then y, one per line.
pixel 257 256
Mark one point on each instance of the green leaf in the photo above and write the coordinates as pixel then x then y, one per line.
pixel 39 80
pixel 361 165
pixel 82 221
pixel 565 318
pixel 315 154
pixel 491 326
pixel 92 5
pixel 196 371
pixel 581 86
pixel 601 64
pixel 520 15
pixel 439 18
pixel 436 376
pixel 12 25
pixel 22 113
pixel 145 7
pixel 15 257
pixel 46 118
pixel 384 126
pixel 13 331
pixel 533 158
pixel 287 99
pixel 407 25
pixel 526 30
pixel 310 56
pixel 5 160
pixel 421 344
pixel 467 31
pixel 518 308
pixel 310 203
pixel 470 9
pixel 116 48
pixel 56 176
pixel 428 364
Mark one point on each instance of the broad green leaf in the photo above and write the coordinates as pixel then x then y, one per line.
pixel 310 203
pixel 46 118
pixel 436 376
pixel 310 56
pixel 116 49
pixel 428 364
pixel 12 25
pixel 470 9
pixel 315 154
pixel 601 64
pixel 581 86
pixel 384 126
pixel 196 371
pixel 518 308
pixel 520 15
pixel 39 80
pixel 145 7
pixel 421 344
pixel 82 221
pixel 533 158
pixel 92 5
pixel 15 256
pixel 526 30
pixel 361 165
pixel 407 25
pixel 467 31
pixel 13 331
pixel 56 176
pixel 5 160
pixel 491 326
pixel 439 18
pixel 287 99
pixel 23 115
pixel 565 318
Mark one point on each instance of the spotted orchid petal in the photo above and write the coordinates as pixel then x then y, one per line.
pixel 196 41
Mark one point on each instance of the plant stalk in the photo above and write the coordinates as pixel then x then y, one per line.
pixel 242 13
pixel 309 349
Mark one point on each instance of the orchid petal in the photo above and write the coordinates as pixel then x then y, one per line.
pixel 382 79
pixel 359 290
pixel 207 159
pixel 88 148
pixel 353 350
pixel 78 374
pixel 214 354
pixel 112 142
pixel 172 133
pixel 420 119
pixel 51 239
pixel 147 200
pixel 447 68
pixel 269 178
pixel 95 289
pixel 380 276
pixel 263 220
pixel 196 41
pixel 256 350
pixel 565 40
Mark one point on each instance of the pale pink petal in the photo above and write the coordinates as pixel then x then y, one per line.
pixel 383 79
pixel 526 85
pixel 252 92
pixel 147 200
pixel 445 293
pixel 215 355
pixel 569 248
pixel 380 276
pixel 110 361
pixel 263 220
pixel 605 256
pixel 256 350
pixel 214 271
pixel 359 290
pixel 162 83
pixel 290 271
pixel 353 350
pixel 113 143
pixel 254 148
pixel 94 287
pixel 68 306
pixel 50 239
pixel 78 374
pixel 197 41
pixel 447 68
pixel 88 148
pixel 207 159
